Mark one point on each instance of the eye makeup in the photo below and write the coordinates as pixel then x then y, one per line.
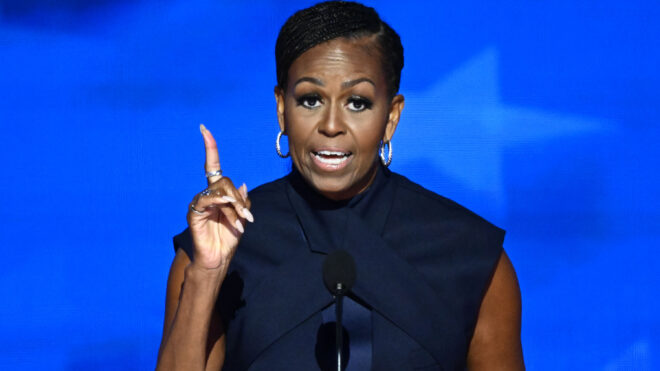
pixel 358 103
pixel 311 100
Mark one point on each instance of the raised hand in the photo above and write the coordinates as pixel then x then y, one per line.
pixel 217 215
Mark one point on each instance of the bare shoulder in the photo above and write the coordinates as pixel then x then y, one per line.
pixel 496 342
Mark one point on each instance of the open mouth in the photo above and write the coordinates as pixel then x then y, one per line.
pixel 331 158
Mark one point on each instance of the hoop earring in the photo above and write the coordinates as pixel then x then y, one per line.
pixel 277 145
pixel 384 161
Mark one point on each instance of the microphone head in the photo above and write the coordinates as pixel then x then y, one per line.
pixel 339 272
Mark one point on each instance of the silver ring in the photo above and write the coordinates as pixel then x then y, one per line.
pixel 214 173
pixel 192 208
pixel 205 192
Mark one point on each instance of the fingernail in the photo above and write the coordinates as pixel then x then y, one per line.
pixel 248 215
pixel 243 191
pixel 228 198
pixel 239 226
pixel 202 128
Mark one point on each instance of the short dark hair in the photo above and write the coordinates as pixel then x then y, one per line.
pixel 333 19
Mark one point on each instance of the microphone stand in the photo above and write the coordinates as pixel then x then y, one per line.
pixel 339 336
pixel 339 276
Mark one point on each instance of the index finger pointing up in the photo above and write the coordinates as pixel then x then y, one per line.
pixel 212 158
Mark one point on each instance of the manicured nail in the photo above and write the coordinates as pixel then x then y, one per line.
pixel 248 215
pixel 228 198
pixel 202 128
pixel 243 191
pixel 239 226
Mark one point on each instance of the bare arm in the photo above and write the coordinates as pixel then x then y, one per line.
pixel 193 337
pixel 496 341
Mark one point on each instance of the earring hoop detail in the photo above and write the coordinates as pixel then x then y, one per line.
pixel 387 161
pixel 277 145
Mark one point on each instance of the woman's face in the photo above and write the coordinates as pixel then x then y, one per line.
pixel 335 111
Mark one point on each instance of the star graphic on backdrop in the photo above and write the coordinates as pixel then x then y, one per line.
pixel 636 357
pixel 461 126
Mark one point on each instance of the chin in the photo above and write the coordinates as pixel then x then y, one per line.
pixel 331 188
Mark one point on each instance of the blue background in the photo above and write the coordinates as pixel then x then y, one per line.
pixel 542 116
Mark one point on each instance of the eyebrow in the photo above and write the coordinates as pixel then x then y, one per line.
pixel 313 80
pixel 344 85
pixel 352 83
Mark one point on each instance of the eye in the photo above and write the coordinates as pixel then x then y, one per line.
pixel 359 104
pixel 309 101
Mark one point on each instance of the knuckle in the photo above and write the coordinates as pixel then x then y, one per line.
pixel 228 182
pixel 217 185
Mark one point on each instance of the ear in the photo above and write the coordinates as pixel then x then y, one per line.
pixel 393 119
pixel 279 98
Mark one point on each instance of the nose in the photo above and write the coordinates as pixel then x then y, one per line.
pixel 332 123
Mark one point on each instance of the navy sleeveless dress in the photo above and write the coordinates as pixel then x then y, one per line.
pixel 423 264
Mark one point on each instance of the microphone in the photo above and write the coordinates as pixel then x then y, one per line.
pixel 339 272
pixel 339 276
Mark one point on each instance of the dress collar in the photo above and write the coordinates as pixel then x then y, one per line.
pixel 324 221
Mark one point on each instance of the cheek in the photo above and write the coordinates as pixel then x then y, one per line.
pixel 298 134
pixel 368 134
pixel 368 149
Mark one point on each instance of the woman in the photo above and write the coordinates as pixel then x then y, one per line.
pixel 434 288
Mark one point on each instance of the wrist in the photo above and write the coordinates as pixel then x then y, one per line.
pixel 204 277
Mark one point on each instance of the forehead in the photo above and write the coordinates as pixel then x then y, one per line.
pixel 340 58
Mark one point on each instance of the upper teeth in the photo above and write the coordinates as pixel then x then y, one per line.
pixel 331 153
pixel 333 158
